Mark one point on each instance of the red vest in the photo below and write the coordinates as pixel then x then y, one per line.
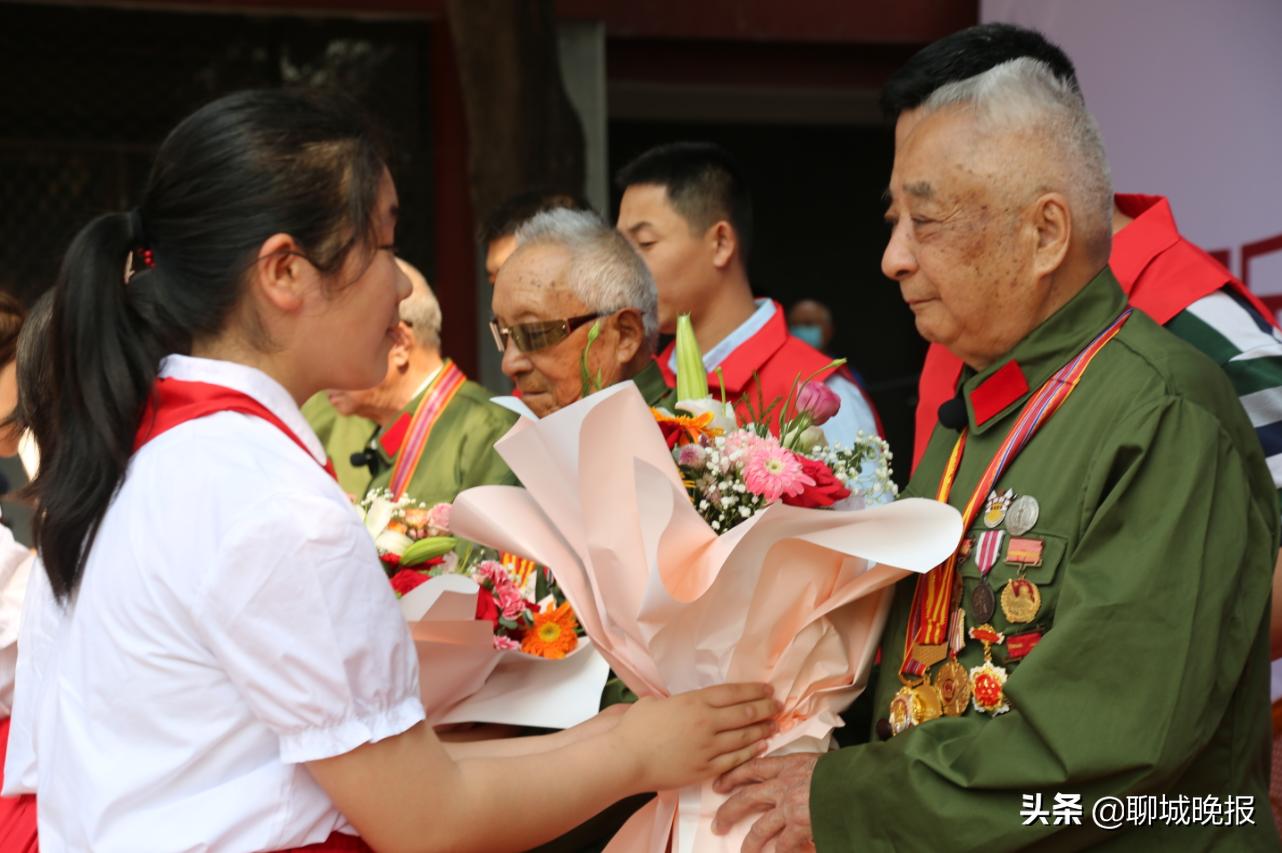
pixel 1161 273
pixel 776 358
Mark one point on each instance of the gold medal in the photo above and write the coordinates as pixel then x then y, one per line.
pixel 953 683
pixel 926 703
pixel 1021 599
pixel 901 710
pixel 995 507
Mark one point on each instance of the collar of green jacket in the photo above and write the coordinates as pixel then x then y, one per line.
pixel 1001 388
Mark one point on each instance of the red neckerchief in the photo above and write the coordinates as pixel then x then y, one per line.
pixel 176 401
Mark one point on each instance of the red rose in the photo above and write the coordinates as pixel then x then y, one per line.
pixel 486 608
pixel 406 580
pixel 826 491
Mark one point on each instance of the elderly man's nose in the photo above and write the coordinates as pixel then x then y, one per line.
pixel 898 261
pixel 514 361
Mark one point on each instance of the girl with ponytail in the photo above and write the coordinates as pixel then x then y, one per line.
pixel 212 658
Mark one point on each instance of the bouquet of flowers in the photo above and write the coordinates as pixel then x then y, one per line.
pixel 734 465
pixel 790 595
pixel 482 623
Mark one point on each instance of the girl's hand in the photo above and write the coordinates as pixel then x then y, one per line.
pixel 695 736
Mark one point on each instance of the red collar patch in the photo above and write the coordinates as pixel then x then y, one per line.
pixel 395 434
pixel 997 392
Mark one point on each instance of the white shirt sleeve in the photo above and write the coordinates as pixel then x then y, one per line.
pixel 302 618
pixel 15 566
pixel 853 417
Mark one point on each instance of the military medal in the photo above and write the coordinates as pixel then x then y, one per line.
pixel 988 681
pixel 1021 599
pixel 914 705
pixel 953 683
pixel 926 703
pixel 1022 515
pixel 901 711
pixel 1024 552
pixel 995 508
pixel 1018 646
pixel 983 602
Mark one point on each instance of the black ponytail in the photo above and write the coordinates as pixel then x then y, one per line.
pixel 228 177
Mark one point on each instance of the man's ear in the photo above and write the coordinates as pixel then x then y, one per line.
pixel 280 272
pixel 631 329
pixel 724 243
pixel 1053 224
pixel 402 344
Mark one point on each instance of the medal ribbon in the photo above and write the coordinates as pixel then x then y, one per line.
pixel 932 598
pixel 437 396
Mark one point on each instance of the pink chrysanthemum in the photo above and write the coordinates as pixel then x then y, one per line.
pixel 503 643
pixel 772 472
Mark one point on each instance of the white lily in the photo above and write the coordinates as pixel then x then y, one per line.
pixel 392 542
pixel 379 515
pixel 723 417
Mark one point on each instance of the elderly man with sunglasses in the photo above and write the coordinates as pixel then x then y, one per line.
pixel 569 272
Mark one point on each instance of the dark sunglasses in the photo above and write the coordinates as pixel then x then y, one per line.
pixel 530 337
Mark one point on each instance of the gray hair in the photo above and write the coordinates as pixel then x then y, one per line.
pixel 420 310
pixel 606 273
pixel 1025 95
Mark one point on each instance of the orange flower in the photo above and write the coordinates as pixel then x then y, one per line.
pixel 686 429
pixel 553 634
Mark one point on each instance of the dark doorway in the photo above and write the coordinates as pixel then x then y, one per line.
pixel 90 92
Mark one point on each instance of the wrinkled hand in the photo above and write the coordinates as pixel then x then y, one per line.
pixel 780 789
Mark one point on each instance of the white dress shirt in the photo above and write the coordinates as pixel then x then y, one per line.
pixel 233 622
pixel 15 567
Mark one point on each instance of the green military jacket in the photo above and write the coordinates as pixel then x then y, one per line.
pixel 341 436
pixel 460 450
pixel 1159 533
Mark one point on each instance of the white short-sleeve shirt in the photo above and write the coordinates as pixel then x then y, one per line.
pixel 233 621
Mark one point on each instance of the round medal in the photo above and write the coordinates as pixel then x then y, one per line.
pixel 1021 599
pixel 926 704
pixel 953 684
pixel 901 711
pixel 1022 515
pixel 982 601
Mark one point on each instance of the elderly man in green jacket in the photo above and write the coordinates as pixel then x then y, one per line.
pixel 1090 669
pixel 437 428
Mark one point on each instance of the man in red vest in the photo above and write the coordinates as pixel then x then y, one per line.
pixel 687 211
pixel 1173 281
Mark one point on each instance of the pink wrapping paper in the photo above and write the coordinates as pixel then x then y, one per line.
pixel 795 597
pixel 463 678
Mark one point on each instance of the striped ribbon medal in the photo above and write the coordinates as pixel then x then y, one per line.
pixel 929 639
pixel 435 400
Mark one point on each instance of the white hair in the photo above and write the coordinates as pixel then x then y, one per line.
pixel 420 310
pixel 606 273
pixel 1024 95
